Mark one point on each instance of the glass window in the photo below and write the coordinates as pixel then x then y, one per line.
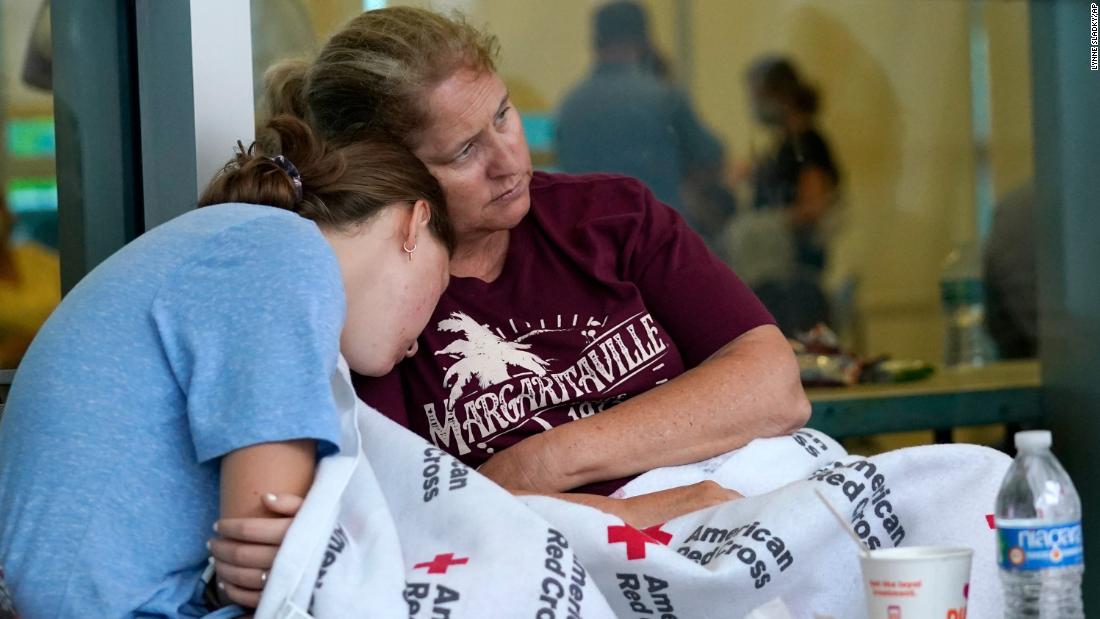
pixel 29 268
pixel 912 118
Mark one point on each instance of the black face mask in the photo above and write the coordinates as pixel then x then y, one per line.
pixel 768 112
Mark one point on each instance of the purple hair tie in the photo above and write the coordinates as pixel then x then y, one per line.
pixel 295 176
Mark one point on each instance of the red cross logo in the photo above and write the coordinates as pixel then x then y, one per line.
pixel 636 540
pixel 662 537
pixel 441 563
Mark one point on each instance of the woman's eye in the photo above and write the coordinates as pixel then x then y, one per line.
pixel 465 152
pixel 502 114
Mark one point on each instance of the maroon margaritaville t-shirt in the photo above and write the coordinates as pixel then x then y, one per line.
pixel 605 294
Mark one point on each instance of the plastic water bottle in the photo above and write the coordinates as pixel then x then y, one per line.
pixel 1040 547
pixel 962 292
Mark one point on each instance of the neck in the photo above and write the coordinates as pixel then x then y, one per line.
pixel 620 54
pixel 481 256
pixel 797 123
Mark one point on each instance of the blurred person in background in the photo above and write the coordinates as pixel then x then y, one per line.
pixel 627 117
pixel 794 188
pixel 1012 315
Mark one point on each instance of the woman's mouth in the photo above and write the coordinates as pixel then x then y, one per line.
pixel 511 194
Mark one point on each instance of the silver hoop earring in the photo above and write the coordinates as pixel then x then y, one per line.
pixel 408 250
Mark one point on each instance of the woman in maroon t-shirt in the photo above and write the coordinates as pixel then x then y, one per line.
pixel 587 335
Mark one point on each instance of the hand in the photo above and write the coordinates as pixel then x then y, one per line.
pixel 245 549
pixel 646 510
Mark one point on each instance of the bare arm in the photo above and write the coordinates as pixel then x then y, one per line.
pixel 749 388
pixel 247 475
pixel 646 510
pixel 814 194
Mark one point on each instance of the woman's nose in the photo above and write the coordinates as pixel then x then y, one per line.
pixel 504 160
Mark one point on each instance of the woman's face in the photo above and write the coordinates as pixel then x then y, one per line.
pixel 474 145
pixel 767 109
pixel 390 293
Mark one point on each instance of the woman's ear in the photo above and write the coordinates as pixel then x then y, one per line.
pixel 419 216
pixel 422 212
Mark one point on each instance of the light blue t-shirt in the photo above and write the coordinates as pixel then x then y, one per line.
pixel 215 331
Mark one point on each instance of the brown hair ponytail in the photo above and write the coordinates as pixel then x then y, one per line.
pixel 334 187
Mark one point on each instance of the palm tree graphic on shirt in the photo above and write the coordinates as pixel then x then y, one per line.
pixel 483 354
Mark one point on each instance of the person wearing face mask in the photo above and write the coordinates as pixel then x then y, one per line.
pixel 798 175
pixel 189 374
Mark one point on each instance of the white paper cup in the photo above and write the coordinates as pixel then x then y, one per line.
pixel 925 582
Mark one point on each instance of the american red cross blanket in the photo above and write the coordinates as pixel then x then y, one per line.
pixel 394 527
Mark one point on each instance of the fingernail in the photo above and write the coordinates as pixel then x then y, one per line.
pixel 215 526
pixel 271 497
pixel 207 545
pixel 221 585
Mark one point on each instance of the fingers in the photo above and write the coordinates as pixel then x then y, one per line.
pixel 711 493
pixel 263 530
pixel 237 595
pixel 258 556
pixel 254 530
pixel 283 504
pixel 242 577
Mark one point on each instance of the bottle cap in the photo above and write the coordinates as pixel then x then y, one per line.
pixel 1033 439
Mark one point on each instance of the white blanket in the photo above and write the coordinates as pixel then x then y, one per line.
pixel 394 527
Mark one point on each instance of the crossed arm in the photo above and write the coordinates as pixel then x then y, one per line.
pixel 246 546
pixel 747 389
pixel 260 490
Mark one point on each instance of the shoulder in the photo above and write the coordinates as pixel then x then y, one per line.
pixel 250 247
pixel 577 92
pixel 253 233
pixel 585 196
pixel 638 87
pixel 815 150
pixel 597 212
pixel 813 138
pixel 239 219
pixel 815 145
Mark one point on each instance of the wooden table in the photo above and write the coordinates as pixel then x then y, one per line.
pixel 1003 392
